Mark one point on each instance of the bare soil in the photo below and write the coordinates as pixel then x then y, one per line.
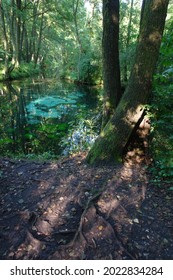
pixel 67 209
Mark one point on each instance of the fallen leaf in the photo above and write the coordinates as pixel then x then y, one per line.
pixel 100 228
pixel 136 221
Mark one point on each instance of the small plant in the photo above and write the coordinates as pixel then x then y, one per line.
pixel 162 124
pixel 24 70
pixel 80 137
pixel 41 157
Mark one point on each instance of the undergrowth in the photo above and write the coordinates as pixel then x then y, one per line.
pixel 162 131
pixel 162 114
pixel 24 70
pixel 46 156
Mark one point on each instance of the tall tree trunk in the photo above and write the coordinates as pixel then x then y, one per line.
pixel 111 65
pixel 75 11
pixel 112 140
pixel 14 32
pixel 78 39
pixel 128 40
pixel 26 53
pixel 18 31
pixel 33 35
pixel 39 40
pixel 5 41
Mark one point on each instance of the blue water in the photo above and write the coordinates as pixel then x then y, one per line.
pixel 39 116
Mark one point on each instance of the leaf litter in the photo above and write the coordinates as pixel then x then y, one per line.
pixel 67 209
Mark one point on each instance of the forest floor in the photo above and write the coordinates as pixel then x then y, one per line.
pixel 67 209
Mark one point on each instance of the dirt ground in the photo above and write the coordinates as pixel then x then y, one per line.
pixel 67 209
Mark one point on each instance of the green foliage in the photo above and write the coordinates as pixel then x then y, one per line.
pixel 89 70
pixel 32 156
pixel 166 55
pixel 76 41
pixel 161 112
pixel 24 70
pixel 162 139
pixel 70 43
pixel 81 135
pixel 129 29
pixel 162 116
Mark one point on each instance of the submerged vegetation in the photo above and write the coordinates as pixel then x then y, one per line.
pixel 47 118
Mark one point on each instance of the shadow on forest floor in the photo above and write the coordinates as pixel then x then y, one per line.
pixel 70 210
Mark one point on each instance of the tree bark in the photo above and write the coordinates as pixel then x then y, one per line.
pixel 5 41
pixel 112 140
pixel 33 35
pixel 111 65
pixel 77 35
pixel 128 40
pixel 39 40
pixel 18 31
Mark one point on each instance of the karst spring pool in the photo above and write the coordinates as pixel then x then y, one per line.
pixel 47 117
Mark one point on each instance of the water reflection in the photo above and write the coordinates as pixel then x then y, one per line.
pixel 38 116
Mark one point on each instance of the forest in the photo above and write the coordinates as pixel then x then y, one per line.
pixel 86 129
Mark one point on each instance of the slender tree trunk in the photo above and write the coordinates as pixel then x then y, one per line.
pixel 112 140
pixel 33 35
pixel 78 39
pixel 5 41
pixel 26 53
pixel 24 37
pixel 75 11
pixel 128 40
pixel 14 32
pixel 18 31
pixel 39 40
pixel 111 65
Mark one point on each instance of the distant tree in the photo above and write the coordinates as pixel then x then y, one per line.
pixel 129 30
pixel 64 36
pixel 22 30
pixel 114 137
pixel 5 39
pixel 127 43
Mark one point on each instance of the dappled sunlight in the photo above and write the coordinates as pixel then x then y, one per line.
pixel 58 192
pixel 108 205
pixel 133 115
pixel 115 19
pixel 122 200
pixel 31 246
pixel 53 204
pixel 155 37
pixel 67 197
pixel 86 212
pixel 156 4
pixel 136 153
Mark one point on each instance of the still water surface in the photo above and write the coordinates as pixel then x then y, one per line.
pixel 38 116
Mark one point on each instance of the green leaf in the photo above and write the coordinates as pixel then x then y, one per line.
pixel 29 136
